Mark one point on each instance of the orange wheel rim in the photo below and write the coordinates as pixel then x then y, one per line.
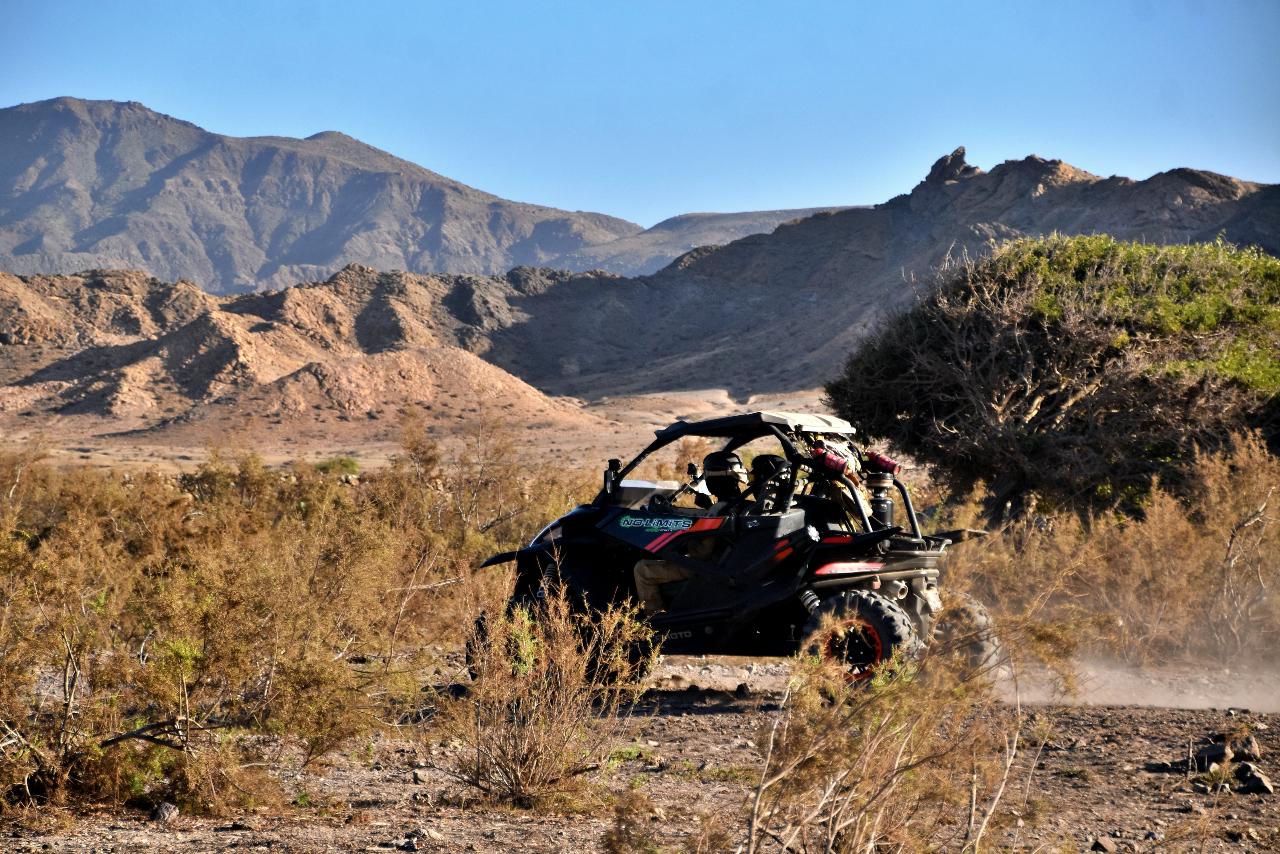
pixel 837 647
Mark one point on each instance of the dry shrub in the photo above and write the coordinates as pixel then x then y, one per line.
pixel 152 627
pixel 920 757
pixel 911 760
pixel 638 827
pixel 917 758
pixel 550 696
pixel 1191 576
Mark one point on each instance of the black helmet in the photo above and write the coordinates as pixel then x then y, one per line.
pixel 724 474
pixel 766 466
pixel 770 477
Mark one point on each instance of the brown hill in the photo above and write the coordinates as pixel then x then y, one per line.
pixel 765 314
pixel 89 184
pixel 178 364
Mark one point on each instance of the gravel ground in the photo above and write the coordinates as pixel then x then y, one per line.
pixel 1108 778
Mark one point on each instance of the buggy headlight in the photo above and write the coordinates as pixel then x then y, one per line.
pixel 550 534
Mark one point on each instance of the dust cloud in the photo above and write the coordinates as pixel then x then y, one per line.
pixel 1207 685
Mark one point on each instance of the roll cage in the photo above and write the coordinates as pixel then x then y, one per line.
pixel 787 427
pixel 739 430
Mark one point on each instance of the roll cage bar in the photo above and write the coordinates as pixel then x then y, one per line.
pixel 747 427
pixel 739 429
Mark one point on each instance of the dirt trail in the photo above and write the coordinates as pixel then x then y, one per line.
pixel 1100 683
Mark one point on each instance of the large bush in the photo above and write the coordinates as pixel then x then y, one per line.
pixel 1078 368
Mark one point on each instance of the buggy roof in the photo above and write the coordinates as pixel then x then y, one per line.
pixel 752 424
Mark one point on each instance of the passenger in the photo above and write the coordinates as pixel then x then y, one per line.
pixel 725 476
pixel 771 485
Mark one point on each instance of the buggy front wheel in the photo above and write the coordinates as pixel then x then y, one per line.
pixel 860 630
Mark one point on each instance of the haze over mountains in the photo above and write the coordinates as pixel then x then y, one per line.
pixel 105 184
pixel 654 248
pixel 771 313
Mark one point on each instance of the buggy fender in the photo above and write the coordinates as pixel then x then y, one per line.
pixel 501 557
pixel 507 557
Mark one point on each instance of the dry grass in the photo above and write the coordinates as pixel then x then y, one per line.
pixel 550 696
pixel 150 627
pixel 158 636
pixel 1191 576
pixel 912 761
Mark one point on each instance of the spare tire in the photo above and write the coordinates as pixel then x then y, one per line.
pixel 860 629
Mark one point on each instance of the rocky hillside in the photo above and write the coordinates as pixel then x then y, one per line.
pixel 361 346
pixel 780 311
pixel 767 313
pixel 95 184
pixel 654 248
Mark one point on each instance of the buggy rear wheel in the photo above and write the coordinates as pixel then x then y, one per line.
pixel 860 630
pixel 966 631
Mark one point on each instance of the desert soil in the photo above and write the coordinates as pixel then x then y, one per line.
pixel 1102 774
pixel 592 433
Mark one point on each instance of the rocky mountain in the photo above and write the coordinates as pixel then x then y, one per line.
pixel 779 311
pixel 650 250
pixel 98 184
pixel 362 346
pixel 768 313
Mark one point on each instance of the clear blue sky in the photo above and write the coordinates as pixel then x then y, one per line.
pixel 649 109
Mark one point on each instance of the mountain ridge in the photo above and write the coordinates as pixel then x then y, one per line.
pixel 780 311
pixel 95 184
pixel 764 314
pixel 115 185
pixel 164 360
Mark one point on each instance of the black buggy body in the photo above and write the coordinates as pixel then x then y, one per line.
pixel 803 560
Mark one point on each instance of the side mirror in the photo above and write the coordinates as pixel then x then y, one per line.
pixel 692 470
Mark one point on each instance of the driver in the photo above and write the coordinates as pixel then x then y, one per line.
pixel 725 476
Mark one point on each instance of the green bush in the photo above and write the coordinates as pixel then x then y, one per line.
pixel 338 465
pixel 1078 368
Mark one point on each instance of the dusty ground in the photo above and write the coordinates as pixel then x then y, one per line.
pixel 611 427
pixel 1101 773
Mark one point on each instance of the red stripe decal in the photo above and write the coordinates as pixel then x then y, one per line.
pixel 661 540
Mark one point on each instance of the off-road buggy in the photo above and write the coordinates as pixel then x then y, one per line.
pixel 801 560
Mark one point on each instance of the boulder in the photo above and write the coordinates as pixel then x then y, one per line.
pixel 1257 783
pixel 165 813
pixel 1212 754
